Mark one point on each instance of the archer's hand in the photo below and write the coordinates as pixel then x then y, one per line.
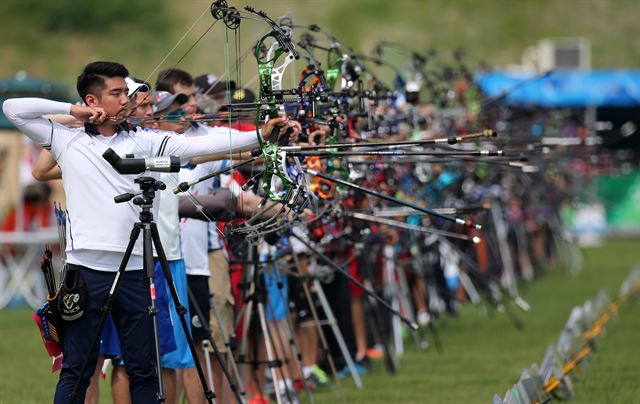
pixel 318 136
pixel 83 113
pixel 284 124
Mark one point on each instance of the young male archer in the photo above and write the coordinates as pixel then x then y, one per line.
pixel 99 229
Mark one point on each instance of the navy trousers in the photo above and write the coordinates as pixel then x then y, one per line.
pixel 135 329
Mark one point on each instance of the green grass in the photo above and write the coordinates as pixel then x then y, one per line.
pixel 482 356
pixel 486 356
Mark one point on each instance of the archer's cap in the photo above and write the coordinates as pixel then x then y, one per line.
pixel 136 85
pixel 242 95
pixel 163 100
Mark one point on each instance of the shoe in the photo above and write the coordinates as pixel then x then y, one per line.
pixel 288 396
pixel 268 387
pixel 375 353
pixel 365 363
pixel 318 376
pixel 314 382
pixel 346 372
pixel 310 382
pixel 258 399
pixel 299 385
pixel 424 318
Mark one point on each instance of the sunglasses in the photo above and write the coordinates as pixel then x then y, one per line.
pixel 174 115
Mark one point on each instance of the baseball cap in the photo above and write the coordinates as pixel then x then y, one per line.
pixel 135 85
pixel 242 95
pixel 163 100
pixel 210 84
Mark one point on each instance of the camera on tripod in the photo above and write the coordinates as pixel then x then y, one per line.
pixel 148 185
pixel 133 165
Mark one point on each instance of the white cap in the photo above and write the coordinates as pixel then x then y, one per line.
pixel 135 87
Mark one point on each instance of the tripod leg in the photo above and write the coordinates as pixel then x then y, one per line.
pixel 271 357
pixel 205 348
pixel 317 287
pixel 226 339
pixel 291 338
pixel 369 292
pixel 244 345
pixel 281 357
pixel 245 316
pixel 392 291
pixel 253 294
pixel 180 309
pixel 263 298
pixel 318 325
pixel 378 327
pixel 106 309
pixel 323 338
pixel 255 308
pixel 222 309
pixel 153 309
pixel 216 351
pixel 508 276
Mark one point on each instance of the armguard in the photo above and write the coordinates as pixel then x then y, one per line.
pixel 219 205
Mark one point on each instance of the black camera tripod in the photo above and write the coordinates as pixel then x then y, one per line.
pixel 150 237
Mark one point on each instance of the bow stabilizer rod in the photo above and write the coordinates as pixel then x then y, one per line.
pixel 184 186
pixel 466 223
pixel 487 133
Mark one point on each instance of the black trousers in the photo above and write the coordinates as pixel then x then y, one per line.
pixel 135 329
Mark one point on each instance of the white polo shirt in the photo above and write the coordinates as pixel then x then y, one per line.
pixel 167 220
pixel 98 228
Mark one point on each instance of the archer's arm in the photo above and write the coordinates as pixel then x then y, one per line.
pixel 46 168
pixel 241 156
pixel 27 115
pixel 229 141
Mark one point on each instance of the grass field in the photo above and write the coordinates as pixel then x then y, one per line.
pixel 482 356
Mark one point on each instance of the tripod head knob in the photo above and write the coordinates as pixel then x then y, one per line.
pixel 148 187
pixel 123 197
pixel 139 200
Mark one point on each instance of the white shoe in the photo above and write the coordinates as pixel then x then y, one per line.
pixel 424 318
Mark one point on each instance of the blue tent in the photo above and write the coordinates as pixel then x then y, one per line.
pixel 565 88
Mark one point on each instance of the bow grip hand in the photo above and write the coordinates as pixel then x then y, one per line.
pixel 290 130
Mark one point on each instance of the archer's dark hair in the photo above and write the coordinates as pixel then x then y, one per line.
pixel 168 78
pixel 91 80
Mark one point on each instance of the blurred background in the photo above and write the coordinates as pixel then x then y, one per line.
pixel 54 40
pixel 45 44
